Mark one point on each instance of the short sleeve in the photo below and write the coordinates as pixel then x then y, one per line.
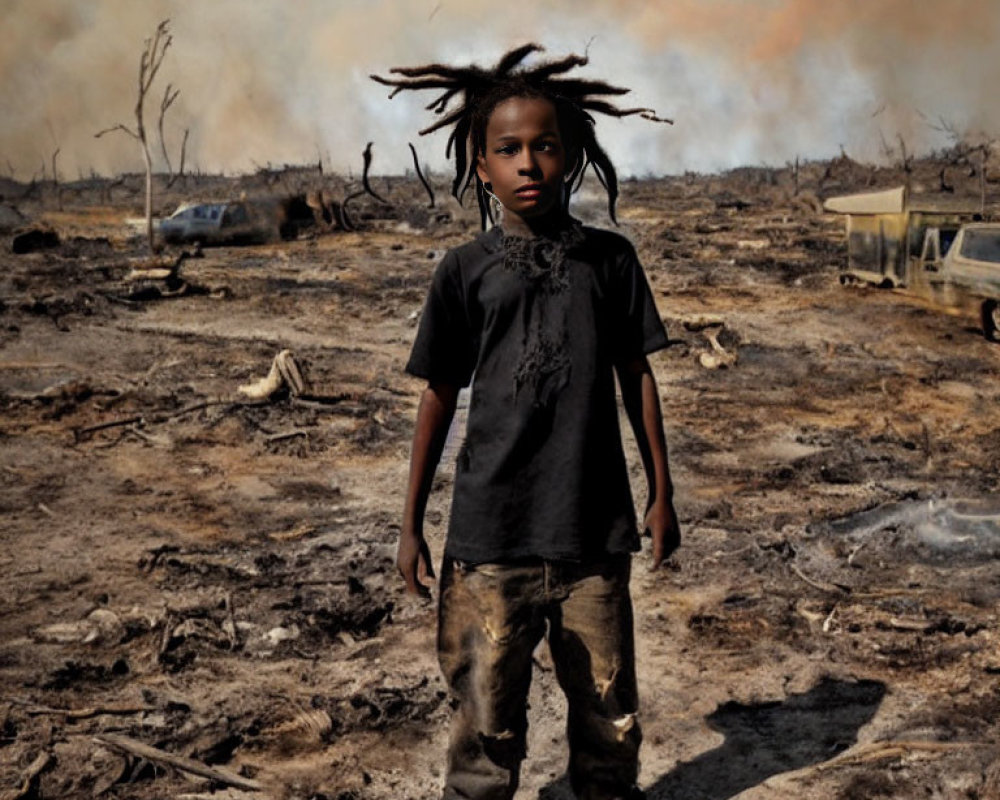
pixel 444 348
pixel 639 328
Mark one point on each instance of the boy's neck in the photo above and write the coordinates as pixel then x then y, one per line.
pixel 514 225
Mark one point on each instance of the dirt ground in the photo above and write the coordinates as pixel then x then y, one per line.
pixel 213 576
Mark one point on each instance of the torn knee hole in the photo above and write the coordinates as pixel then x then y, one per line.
pixel 604 685
pixel 504 747
pixel 623 725
pixel 496 636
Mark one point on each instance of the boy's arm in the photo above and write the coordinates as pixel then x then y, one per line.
pixel 434 415
pixel 642 404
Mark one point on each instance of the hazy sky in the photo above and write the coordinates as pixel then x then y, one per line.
pixel 747 81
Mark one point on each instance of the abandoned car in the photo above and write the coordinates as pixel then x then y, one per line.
pixel 214 223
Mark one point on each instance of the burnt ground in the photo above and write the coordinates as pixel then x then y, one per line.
pixel 214 576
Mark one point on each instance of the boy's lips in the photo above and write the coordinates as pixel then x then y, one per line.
pixel 531 190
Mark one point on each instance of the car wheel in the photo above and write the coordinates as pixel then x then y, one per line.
pixel 991 320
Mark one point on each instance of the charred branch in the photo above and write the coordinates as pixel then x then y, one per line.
pixel 339 215
pixel 348 222
pixel 367 155
pixel 905 159
pixel 420 174
pixel 165 103
pixel 180 168
pixel 142 750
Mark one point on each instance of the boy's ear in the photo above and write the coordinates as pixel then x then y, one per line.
pixel 481 168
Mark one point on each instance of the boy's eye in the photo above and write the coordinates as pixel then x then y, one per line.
pixel 507 149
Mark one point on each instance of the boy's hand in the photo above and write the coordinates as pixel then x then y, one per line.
pixel 413 558
pixel 661 522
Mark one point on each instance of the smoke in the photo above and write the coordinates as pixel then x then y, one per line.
pixel 747 81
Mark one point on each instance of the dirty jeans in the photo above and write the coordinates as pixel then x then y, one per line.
pixel 491 618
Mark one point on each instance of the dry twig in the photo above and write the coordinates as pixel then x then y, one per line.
pixel 29 778
pixel 822 586
pixel 80 713
pixel 136 748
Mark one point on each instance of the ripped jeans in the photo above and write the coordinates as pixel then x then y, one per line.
pixel 491 618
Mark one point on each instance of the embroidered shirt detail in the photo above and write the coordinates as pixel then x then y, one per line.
pixel 543 368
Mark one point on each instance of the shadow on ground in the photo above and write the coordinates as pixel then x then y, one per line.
pixel 765 739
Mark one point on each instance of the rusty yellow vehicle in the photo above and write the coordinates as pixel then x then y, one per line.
pixel 929 246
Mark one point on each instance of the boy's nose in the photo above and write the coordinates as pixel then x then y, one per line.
pixel 529 166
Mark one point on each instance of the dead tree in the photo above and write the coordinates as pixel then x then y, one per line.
pixel 167 101
pixel 963 148
pixel 984 156
pixel 905 162
pixel 149 64
pixel 55 179
pixel 888 151
pixel 180 168
pixel 420 173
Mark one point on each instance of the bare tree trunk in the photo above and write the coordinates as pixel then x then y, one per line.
pixel 149 195
pixel 55 179
pixel 982 182
pixel 149 64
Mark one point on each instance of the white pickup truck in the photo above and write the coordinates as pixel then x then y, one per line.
pixel 962 269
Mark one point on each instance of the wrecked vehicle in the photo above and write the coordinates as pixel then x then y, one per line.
pixel 929 246
pixel 215 223
pixel 968 272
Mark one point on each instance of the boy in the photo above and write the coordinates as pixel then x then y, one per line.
pixel 539 314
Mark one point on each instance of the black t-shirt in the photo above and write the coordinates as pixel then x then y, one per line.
pixel 537 330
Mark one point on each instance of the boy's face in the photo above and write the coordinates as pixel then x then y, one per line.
pixel 525 160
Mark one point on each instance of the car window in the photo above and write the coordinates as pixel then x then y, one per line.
pixel 947 237
pixel 982 246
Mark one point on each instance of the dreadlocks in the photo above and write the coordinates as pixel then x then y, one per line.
pixel 482 90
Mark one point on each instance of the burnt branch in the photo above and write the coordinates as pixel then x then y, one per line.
pixel 906 161
pixel 348 222
pixel 420 173
pixel 339 215
pixel 367 155
pixel 118 127
pixel 180 169
pixel 167 101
